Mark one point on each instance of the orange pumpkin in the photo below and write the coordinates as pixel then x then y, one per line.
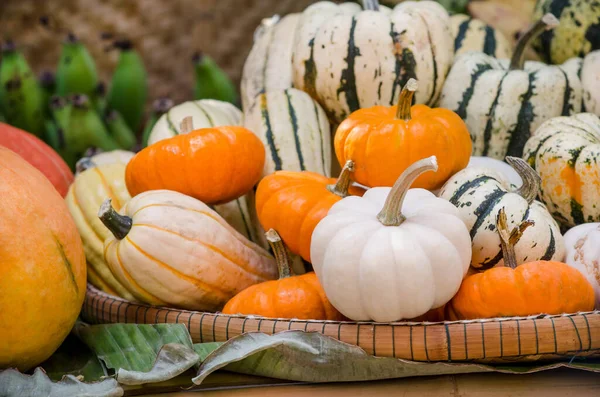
pixel 214 165
pixel 291 296
pixel 294 202
pixel 37 153
pixel 42 265
pixel 540 287
pixel 383 141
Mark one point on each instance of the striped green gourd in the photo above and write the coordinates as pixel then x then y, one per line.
pixel 565 151
pixel 480 192
pixel 503 101
pixel 472 34
pixel 294 129
pixel 577 34
pixel 348 58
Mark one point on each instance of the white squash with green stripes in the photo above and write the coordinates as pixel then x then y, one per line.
pixel 480 192
pixel 565 151
pixel 205 113
pixel 503 101
pixel 269 63
pixel 348 58
pixel 590 81
pixel 472 34
pixel 294 129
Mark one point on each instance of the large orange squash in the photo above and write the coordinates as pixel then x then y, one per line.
pixel 38 154
pixel 291 296
pixel 42 265
pixel 294 202
pixel 383 141
pixel 214 165
pixel 539 287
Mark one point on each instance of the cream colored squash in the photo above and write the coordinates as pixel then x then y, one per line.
pixel 590 81
pixel 392 254
pixel 173 250
pixel 583 253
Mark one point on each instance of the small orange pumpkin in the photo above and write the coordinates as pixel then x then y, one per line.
pixel 214 165
pixel 294 202
pixel 384 141
pixel 291 296
pixel 540 287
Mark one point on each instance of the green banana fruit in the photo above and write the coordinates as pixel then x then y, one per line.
pixel 119 130
pixel 211 81
pixel 76 72
pixel 21 96
pixel 100 94
pixel 48 84
pixel 53 136
pixel 129 86
pixel 159 107
pixel 61 111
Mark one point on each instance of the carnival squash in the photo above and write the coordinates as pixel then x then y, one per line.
pixel 348 58
pixel 384 141
pixel 42 265
pixel 497 165
pixel 290 296
pixel 99 157
pixel 590 81
pixel 565 152
pixel 391 254
pixel 503 101
pixel 539 287
pixel 479 192
pixel 170 249
pixel 93 184
pixel 214 165
pixel 39 154
pixel 583 253
pixel 294 202
pixel 472 34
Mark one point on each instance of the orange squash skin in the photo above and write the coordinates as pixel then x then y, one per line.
pixel 299 297
pixel 214 165
pixel 293 203
pixel 42 265
pixel 382 146
pixel 532 288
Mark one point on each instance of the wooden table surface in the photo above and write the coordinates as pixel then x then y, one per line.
pixel 555 383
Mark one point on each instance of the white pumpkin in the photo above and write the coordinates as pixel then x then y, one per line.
pixel 472 34
pixel 205 113
pixel 480 192
pixel 269 63
pixel 392 254
pixel 590 81
pixel 294 129
pixel 500 166
pixel 348 58
pixel 97 157
pixel 170 249
pixel 583 253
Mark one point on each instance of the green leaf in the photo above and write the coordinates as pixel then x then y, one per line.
pixel 14 383
pixel 204 349
pixel 74 358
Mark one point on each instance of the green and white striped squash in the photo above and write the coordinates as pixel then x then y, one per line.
pixel 472 34
pixel 590 81
pixel 480 192
pixel 577 34
pixel 269 63
pixel 348 58
pixel 294 129
pixel 565 151
pixel 205 113
pixel 503 101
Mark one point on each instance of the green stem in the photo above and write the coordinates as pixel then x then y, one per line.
pixel 119 225
pixel 343 183
pixel 372 5
pixel 405 100
pixel 547 22
pixel 531 179
pixel 391 214
pixel 281 257
pixel 508 238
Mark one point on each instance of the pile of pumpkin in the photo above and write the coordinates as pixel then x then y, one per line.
pixel 424 220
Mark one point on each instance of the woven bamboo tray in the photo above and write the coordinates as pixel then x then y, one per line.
pixel 498 340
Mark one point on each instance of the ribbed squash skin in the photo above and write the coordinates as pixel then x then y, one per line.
pixel 42 265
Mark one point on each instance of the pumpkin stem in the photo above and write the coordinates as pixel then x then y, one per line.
pixel 343 183
pixel 281 257
pixel 372 5
pixel 84 163
pixel 547 22
pixel 531 179
pixel 119 225
pixel 186 125
pixel 509 238
pixel 391 214
pixel 405 100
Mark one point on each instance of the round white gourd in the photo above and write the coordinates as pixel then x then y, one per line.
pixel 583 253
